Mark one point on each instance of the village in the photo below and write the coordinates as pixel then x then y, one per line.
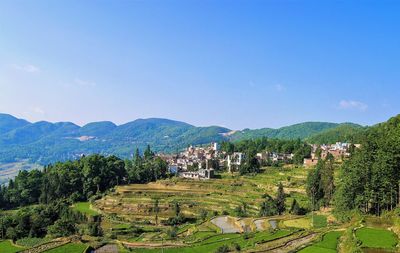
pixel 201 162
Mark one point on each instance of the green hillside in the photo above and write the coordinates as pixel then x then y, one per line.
pixel 44 142
pixel 346 132
pixel 297 131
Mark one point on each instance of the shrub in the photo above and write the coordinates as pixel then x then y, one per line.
pixel 222 249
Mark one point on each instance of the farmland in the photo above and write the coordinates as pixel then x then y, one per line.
pixel 8 247
pixel 135 202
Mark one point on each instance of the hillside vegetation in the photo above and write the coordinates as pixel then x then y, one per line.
pixel 44 142
pixel 346 132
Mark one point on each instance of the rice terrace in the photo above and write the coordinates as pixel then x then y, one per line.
pixel 199 126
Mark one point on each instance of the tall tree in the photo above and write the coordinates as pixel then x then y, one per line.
pixel 280 200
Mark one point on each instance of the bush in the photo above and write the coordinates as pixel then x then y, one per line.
pixel 236 246
pixel 222 249
pixel 172 233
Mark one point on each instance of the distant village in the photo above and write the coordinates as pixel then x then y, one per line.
pixel 201 162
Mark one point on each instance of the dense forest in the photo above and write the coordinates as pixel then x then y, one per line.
pixel 59 185
pixel 370 179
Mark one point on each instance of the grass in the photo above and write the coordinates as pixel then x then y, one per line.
pixel 70 247
pixel 8 247
pixel 31 242
pixel 214 242
pixel 320 221
pixel 298 223
pixel 328 244
pixel 376 238
pixel 84 207
pixel 134 202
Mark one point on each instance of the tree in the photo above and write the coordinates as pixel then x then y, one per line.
pixel 222 249
pixel 296 209
pixel 177 208
pixel 268 207
pixel 94 226
pixel 280 199
pixel 156 209
pixel 250 164
pixel 203 214
pixel 62 227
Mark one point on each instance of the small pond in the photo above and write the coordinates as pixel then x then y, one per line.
pixel 226 224
pixel 273 223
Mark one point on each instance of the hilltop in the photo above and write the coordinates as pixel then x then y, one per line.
pixel 45 142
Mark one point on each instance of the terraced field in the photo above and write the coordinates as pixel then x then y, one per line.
pixel 368 237
pixel 328 244
pixel 220 196
pixel 8 247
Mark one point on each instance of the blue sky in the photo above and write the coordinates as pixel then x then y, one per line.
pixel 231 63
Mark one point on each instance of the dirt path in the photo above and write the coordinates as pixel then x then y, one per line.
pixel 151 245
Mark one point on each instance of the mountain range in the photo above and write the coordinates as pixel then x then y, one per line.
pixel 45 142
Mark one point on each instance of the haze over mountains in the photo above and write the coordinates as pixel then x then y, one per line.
pixel 44 142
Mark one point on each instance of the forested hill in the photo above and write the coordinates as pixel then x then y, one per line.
pixel 44 142
pixel 370 179
pixel 346 132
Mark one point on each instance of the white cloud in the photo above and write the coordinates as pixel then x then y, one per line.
pixel 38 110
pixel 29 68
pixel 81 82
pixel 279 87
pixel 352 105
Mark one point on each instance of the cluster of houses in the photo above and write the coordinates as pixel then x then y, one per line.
pixel 201 162
pixel 338 150
pixel 195 162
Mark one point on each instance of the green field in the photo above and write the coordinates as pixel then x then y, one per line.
pixel 8 247
pixel 319 221
pixel 70 247
pixel 31 242
pixel 84 207
pixel 376 238
pixel 213 243
pixel 328 244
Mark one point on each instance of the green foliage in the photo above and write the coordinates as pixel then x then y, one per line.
pixel 45 142
pixel 346 132
pixel 241 210
pixel 296 209
pixel 30 242
pixel 280 200
pixel 370 178
pixel 223 249
pixel 35 221
pixel 62 227
pixel 94 226
pixel 203 214
pixel 268 207
pixel 320 183
pixel 297 131
pixel 58 185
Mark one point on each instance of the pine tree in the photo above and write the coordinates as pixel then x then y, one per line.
pixel 280 200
